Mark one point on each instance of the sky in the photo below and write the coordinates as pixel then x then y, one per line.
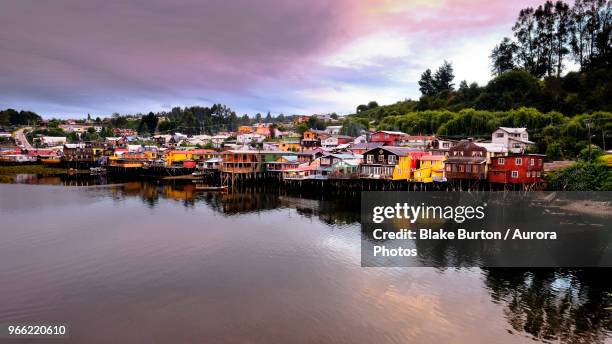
pixel 67 58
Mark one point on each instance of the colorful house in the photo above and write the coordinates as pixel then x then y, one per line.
pixel 466 160
pixel 283 163
pixel 517 169
pixel 248 161
pixel 176 157
pixel 310 140
pixel 245 129
pixel 289 146
pixel 389 138
pixel 431 169
pixel 386 162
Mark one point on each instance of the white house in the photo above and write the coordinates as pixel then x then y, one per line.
pixel 360 139
pixel 333 129
pixel 50 141
pixel 516 140
pixel 330 142
pixel 245 139
pixel 218 140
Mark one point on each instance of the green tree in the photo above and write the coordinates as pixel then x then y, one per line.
pixel 443 79
pixel 426 84
pixel 502 57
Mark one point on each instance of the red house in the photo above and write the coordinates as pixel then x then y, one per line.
pixel 517 169
pixel 389 138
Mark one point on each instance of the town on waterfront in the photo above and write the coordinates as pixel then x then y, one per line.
pixel 291 151
pixel 375 171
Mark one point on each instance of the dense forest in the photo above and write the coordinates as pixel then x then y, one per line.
pixel 563 112
pixel 11 117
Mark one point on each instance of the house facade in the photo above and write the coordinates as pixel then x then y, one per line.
pixel 516 140
pixel 466 160
pixel 389 138
pixel 431 169
pixel 386 162
pixel 517 169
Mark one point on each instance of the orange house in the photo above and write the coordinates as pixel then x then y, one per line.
pixel 245 129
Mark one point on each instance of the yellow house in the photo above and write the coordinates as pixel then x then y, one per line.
pixel 402 168
pixel 431 169
pixel 178 156
pixel 289 146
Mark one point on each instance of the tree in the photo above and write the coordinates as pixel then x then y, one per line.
pixel 545 26
pixel 526 36
pixel 361 107
pixel 149 123
pixel 443 79
pixel 426 84
pixel 503 56
pixel 371 105
pixel 562 33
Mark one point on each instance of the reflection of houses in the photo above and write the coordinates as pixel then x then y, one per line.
pixel 466 160
pixel 516 140
pixel 386 162
pixel 517 169
pixel 431 169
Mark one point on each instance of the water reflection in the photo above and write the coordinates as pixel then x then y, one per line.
pixel 552 305
pixel 172 266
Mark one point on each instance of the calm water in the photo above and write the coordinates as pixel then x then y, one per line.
pixel 144 263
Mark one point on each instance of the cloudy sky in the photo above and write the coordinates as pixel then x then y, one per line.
pixel 71 57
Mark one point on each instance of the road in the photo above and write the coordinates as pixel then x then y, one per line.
pixel 21 139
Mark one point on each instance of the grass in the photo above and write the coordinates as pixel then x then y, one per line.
pixel 32 169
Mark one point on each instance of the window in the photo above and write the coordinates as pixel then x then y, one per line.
pixel 370 159
pixel 499 134
pixel 448 168
pixel 381 158
pixel 529 174
pixel 518 161
pixel 532 162
pixel 391 159
pixel 461 168
pixel 501 161
pixel 514 174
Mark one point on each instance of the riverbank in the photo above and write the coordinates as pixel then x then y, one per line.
pixel 38 170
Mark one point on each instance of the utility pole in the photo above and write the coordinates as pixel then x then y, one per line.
pixel 588 123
